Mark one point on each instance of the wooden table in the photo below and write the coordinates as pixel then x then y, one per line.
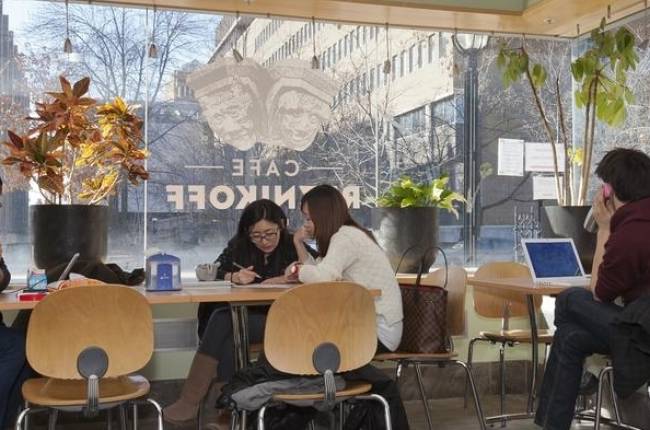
pixel 530 289
pixel 239 299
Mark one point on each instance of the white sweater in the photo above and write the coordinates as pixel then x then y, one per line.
pixel 353 256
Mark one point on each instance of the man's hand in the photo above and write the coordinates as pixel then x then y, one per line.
pixel 603 211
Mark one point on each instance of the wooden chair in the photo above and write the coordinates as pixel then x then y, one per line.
pixel 322 329
pixel 87 342
pixel 503 304
pixel 456 287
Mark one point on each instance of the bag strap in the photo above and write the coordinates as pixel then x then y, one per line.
pixel 420 269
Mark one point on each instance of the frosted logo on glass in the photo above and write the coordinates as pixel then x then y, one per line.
pixel 245 103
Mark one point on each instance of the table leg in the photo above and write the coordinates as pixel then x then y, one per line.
pixel 530 299
pixel 239 316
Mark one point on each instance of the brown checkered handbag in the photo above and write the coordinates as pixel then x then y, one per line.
pixel 425 317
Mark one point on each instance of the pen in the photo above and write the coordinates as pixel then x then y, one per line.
pixel 244 268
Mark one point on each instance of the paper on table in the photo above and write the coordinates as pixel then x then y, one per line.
pixel 264 286
pixel 511 157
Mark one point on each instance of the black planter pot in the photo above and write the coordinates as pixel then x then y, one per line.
pixel 399 229
pixel 567 221
pixel 60 231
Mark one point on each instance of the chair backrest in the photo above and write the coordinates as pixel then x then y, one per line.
pixel 456 289
pixel 112 317
pixel 309 315
pixel 491 303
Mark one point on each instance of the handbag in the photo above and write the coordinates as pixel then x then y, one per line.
pixel 425 315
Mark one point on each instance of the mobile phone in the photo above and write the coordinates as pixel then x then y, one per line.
pixel 590 223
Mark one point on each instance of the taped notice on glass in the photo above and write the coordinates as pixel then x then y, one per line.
pixel 539 157
pixel 544 188
pixel 511 157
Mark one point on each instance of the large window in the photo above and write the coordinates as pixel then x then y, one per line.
pixel 379 128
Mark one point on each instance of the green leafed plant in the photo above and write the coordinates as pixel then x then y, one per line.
pixel 405 193
pixel 601 77
pixel 76 152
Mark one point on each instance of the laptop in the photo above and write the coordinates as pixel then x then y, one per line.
pixel 554 261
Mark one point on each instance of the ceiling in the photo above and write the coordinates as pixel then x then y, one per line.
pixel 563 18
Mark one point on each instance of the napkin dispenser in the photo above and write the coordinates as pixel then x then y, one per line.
pixel 163 273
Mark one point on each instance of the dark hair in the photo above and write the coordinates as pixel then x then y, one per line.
pixel 628 172
pixel 329 212
pixel 244 250
pixel 257 211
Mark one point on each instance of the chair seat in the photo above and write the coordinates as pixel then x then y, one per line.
pixel 522 336
pixel 398 356
pixel 351 389
pixel 72 392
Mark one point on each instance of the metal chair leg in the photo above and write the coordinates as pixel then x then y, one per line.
pixel 477 402
pixel 234 420
pixel 502 382
pixel 135 416
pixel 599 398
pixel 109 419
pixel 423 395
pixel 53 414
pixel 398 371
pixel 470 354
pixel 380 399
pixel 260 418
pixel 160 414
pixel 26 427
pixel 22 416
pixel 123 425
pixel 617 411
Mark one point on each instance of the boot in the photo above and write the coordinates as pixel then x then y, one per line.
pixel 197 384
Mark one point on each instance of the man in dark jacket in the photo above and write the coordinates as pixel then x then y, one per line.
pixel 12 357
pixel 621 268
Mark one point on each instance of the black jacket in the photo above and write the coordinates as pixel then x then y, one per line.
pixel 631 347
pixel 6 277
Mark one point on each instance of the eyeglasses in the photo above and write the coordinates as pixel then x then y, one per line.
pixel 268 235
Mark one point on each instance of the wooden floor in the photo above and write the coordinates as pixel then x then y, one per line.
pixel 448 414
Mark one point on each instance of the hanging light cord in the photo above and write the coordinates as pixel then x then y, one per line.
pixel 67 19
pixel 313 34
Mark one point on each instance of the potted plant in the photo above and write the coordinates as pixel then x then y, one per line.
pixel 76 153
pixel 600 76
pixel 407 220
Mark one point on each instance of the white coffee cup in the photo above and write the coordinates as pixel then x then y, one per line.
pixel 207 271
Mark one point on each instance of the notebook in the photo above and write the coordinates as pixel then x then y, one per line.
pixel 554 261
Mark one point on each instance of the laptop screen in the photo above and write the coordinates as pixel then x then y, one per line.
pixel 553 259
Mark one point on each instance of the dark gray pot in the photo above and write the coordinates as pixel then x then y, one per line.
pixel 399 229
pixel 60 231
pixel 567 221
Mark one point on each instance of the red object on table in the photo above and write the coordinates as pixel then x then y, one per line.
pixel 31 297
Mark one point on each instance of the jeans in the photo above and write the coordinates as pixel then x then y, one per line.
pixel 12 370
pixel 583 328
pixel 218 339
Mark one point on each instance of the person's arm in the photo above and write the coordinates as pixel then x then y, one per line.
pixel 5 276
pixel 602 211
pixel 602 238
pixel 299 237
pixel 341 254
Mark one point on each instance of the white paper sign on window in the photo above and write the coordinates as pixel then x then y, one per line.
pixel 544 188
pixel 511 157
pixel 539 157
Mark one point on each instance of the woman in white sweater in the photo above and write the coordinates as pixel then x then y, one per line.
pixel 348 252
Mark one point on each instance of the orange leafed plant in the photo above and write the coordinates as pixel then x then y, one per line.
pixel 77 152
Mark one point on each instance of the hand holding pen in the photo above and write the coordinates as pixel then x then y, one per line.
pixel 245 275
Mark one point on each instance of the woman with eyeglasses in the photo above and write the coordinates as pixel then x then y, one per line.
pixel 260 252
